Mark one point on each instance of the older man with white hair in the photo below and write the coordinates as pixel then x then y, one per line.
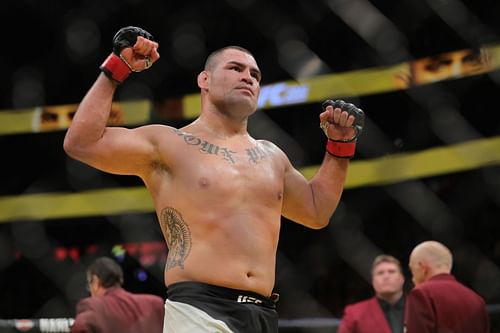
pixel 439 303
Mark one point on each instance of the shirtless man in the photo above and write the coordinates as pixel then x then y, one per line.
pixel 218 193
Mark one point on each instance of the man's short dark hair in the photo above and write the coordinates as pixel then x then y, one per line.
pixel 108 271
pixel 210 63
pixel 386 258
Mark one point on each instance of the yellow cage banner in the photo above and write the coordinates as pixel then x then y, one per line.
pixel 59 117
pixel 428 70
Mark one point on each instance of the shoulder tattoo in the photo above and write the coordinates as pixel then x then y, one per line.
pixel 177 236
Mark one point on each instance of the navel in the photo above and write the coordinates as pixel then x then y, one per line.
pixel 280 195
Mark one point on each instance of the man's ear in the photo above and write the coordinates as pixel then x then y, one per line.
pixel 203 79
pixel 424 268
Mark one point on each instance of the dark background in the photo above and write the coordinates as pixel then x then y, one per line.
pixel 51 51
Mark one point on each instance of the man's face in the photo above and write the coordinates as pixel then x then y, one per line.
pixel 235 79
pixel 387 279
pixel 449 65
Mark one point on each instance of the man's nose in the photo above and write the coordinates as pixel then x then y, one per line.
pixel 246 76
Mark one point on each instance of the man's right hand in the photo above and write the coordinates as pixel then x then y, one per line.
pixel 134 50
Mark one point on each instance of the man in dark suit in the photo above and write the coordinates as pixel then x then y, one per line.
pixel 384 312
pixel 439 303
pixel 111 309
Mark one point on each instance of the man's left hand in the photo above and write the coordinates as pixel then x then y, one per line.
pixel 341 121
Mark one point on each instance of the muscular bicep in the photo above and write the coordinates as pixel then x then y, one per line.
pixel 121 150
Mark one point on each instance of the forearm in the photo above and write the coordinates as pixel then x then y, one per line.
pixel 327 186
pixel 312 203
pixel 342 123
pixel 91 118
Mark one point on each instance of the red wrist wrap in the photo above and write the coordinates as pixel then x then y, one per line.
pixel 341 149
pixel 115 68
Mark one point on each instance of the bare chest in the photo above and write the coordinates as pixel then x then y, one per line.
pixel 245 171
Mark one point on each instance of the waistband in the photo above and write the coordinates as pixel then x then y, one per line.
pixel 198 289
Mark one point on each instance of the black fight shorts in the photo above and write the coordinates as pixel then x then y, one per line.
pixel 202 308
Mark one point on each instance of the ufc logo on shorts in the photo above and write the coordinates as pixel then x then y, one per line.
pixel 248 299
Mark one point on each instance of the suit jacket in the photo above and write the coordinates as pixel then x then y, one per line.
pixel 119 311
pixel 444 305
pixel 364 317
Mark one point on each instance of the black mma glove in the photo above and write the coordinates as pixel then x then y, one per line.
pixel 115 67
pixel 344 148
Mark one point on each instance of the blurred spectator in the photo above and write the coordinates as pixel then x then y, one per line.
pixel 384 312
pixel 112 309
pixel 444 66
pixel 439 303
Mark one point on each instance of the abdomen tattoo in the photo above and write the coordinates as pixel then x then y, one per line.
pixel 177 236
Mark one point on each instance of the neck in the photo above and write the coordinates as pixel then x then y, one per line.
pixel 226 113
pixel 221 125
pixel 391 298
pixel 433 271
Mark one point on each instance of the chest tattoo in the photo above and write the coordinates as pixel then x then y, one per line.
pixel 207 147
pixel 256 154
pixel 177 235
